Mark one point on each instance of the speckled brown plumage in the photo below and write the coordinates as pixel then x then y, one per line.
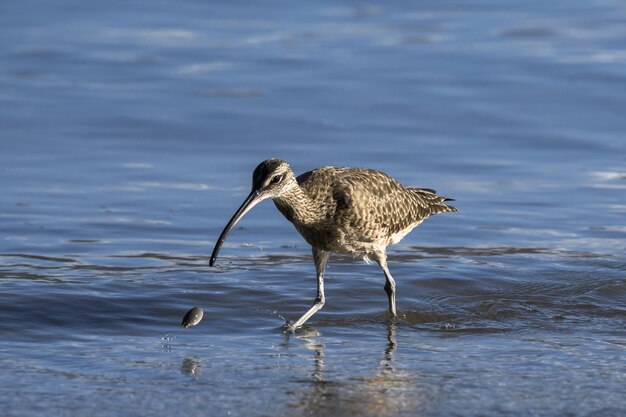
pixel 347 210
pixel 356 210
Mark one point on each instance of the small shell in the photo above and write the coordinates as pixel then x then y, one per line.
pixel 192 317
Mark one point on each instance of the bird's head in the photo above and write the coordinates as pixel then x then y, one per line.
pixel 271 179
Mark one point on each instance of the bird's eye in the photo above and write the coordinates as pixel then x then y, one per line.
pixel 276 179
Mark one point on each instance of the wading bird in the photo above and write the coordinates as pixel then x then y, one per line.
pixel 347 210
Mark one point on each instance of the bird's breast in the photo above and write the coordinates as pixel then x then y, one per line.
pixel 330 237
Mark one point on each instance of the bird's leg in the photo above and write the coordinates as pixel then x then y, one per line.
pixel 390 284
pixel 320 258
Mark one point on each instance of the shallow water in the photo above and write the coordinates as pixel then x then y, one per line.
pixel 129 133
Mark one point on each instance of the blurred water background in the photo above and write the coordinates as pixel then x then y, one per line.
pixel 128 135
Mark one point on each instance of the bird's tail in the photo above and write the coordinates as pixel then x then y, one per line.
pixel 434 203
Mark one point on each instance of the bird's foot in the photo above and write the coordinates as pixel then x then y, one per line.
pixel 392 318
pixel 289 327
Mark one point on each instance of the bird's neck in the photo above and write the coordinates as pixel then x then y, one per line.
pixel 297 206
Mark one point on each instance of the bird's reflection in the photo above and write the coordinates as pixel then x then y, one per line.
pixel 391 342
pixel 312 342
pixel 388 389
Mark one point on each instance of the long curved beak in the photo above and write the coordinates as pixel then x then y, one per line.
pixel 252 200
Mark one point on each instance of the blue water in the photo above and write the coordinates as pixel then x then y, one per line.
pixel 128 136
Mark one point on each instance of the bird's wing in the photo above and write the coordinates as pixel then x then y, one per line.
pixel 373 206
pixel 368 205
pixel 379 206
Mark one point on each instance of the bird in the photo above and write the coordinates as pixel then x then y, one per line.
pixel 356 211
